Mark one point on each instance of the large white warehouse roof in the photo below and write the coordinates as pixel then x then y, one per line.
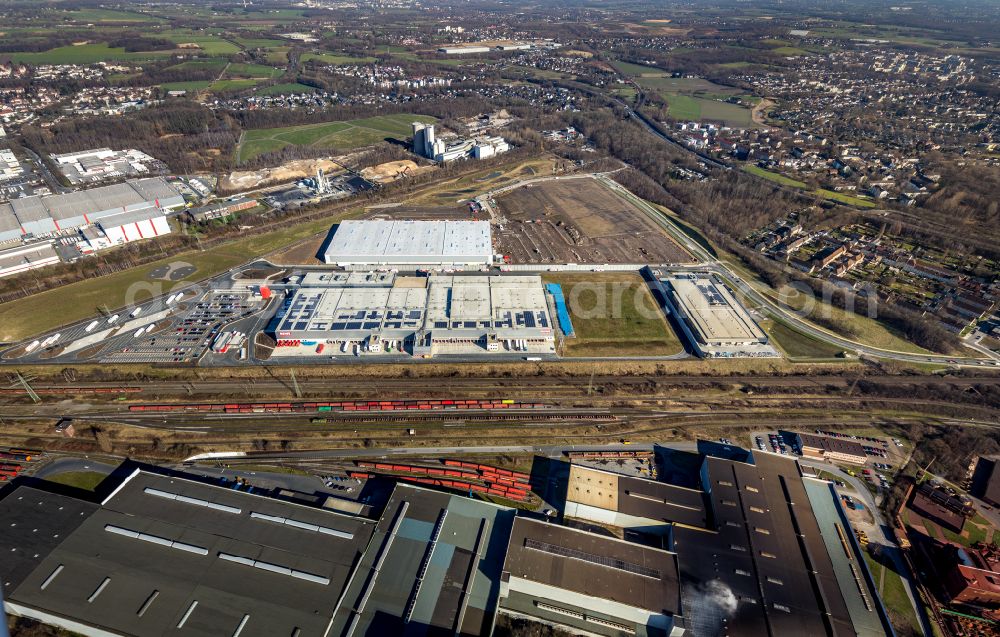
pixel 411 242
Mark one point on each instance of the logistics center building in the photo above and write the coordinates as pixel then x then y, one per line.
pixel 712 318
pixel 381 312
pixel 384 242
pixel 119 209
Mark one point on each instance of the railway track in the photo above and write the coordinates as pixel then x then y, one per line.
pixel 484 386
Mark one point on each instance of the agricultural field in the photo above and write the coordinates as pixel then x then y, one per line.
pixel 278 55
pixel 638 70
pixel 109 15
pixel 698 99
pixel 335 60
pixel 579 221
pixel 215 64
pixel 258 43
pixel 341 135
pixel 210 44
pixel 191 87
pixel 699 108
pixel 252 71
pixel 692 85
pixel 614 314
pixel 84 54
pixel 285 89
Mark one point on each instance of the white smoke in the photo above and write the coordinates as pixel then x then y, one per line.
pixel 708 606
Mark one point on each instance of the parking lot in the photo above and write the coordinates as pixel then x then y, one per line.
pixel 187 337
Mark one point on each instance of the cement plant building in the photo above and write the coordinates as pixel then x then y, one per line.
pixel 427 145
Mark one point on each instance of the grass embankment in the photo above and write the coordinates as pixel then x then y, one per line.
pixel 893 594
pixel 614 314
pixel 48 310
pixel 796 345
pixel 840 197
pixel 856 327
pixel 87 480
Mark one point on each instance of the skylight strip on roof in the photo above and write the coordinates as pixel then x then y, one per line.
pixel 275 568
pixel 305 526
pixel 189 500
pixel 155 539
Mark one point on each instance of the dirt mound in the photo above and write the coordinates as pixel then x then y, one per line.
pixel 393 170
pixel 300 168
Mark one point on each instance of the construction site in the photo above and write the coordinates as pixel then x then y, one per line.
pixel 578 221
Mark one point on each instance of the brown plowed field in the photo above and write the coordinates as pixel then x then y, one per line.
pixel 579 221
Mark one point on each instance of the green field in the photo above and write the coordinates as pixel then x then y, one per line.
pixel 894 596
pixel 832 195
pixel 699 108
pixel 635 326
pixel 775 177
pixel 48 310
pixel 210 44
pixel 638 70
pixel 259 43
pixel 342 135
pixel 252 71
pixel 693 85
pixel 278 55
pixel 87 480
pixel 789 51
pixel 216 64
pixel 191 87
pixel 285 89
pixel 335 60
pixel 796 344
pixel 109 15
pixel 846 199
pixel 84 54
pixel 231 85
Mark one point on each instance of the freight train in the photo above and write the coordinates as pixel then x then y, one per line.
pixel 505 483
pixel 348 405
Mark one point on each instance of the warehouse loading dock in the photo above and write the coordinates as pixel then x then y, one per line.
pixel 342 314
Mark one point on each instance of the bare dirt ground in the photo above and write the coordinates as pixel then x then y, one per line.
pixel 302 253
pixel 759 112
pixel 298 169
pixel 393 170
pixel 579 221
pixel 420 213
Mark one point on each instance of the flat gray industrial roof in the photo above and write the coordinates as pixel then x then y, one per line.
pixel 95 203
pixel 513 305
pixel 713 311
pixel 594 565
pixel 132 216
pixel 205 557
pixel 27 254
pixel 23 513
pixel 456 543
pixel 412 242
